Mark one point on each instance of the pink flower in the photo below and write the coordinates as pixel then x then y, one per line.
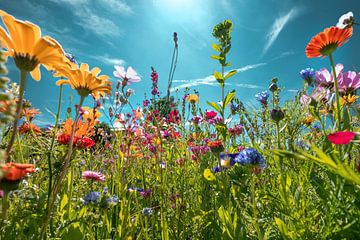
pixel 325 79
pixel 128 77
pixel 341 137
pixel 349 82
pixel 1 193
pixel 96 176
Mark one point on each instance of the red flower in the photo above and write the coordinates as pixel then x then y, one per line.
pixel 85 142
pixel 341 137
pixel 210 114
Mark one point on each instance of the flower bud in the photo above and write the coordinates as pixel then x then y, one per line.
pixel 277 115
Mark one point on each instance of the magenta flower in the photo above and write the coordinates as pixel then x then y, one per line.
pixel 341 137
pixel 128 77
pixel 325 79
pixel 96 176
pixel 349 82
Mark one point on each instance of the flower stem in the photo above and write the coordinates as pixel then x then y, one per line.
pixel 4 206
pixel 23 75
pixel 337 97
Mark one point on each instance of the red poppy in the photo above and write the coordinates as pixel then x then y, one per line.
pixel 85 142
pixel 210 114
pixel 341 137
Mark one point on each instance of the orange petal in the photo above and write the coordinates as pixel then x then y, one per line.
pixel 36 74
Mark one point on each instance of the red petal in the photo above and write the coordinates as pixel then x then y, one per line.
pixel 341 137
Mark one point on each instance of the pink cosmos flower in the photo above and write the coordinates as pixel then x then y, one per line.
pixel 128 77
pixel 349 82
pixel 341 137
pixel 325 79
pixel 96 176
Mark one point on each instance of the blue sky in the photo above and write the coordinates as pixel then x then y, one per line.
pixel 268 39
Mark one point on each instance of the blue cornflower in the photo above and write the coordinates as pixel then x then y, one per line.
pixel 250 156
pixel 92 197
pixel 308 75
pixel 147 211
pixel 216 169
pixel 113 200
pixel 262 97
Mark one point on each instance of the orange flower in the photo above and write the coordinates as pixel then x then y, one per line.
pixel 327 41
pixel 81 129
pixel 29 50
pixel 28 127
pixel 85 82
pixel 16 171
pixel 30 113
pixel 90 115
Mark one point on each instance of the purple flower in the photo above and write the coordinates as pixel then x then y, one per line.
pixel 92 197
pixel 113 200
pixel 308 75
pixel 146 193
pixel 1 193
pixel 262 97
pixel 129 76
pixel 325 79
pixel 196 119
pixel 71 58
pixel 349 82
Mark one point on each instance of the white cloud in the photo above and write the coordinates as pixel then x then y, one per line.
pixel 211 81
pixel 117 6
pixel 278 26
pixel 110 61
pixel 87 17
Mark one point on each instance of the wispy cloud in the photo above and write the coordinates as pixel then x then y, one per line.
pixel 109 60
pixel 211 81
pixel 278 26
pixel 89 19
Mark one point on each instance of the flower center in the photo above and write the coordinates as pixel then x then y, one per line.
pixel 328 49
pixel 25 61
pixel 83 91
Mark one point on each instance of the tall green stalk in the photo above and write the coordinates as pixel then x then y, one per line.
pixel 23 75
pixel 337 96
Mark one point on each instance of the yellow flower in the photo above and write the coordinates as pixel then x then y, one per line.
pixel 349 99
pixel 91 115
pixel 29 50
pixel 308 120
pixel 208 175
pixel 84 81
pixel 192 98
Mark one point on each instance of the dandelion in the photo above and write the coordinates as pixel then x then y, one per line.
pixel 95 176
pixel 327 42
pixel 92 197
pixel 341 138
pixel 129 76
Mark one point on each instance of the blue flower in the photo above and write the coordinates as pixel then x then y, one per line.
pixel 262 97
pixel 71 58
pixel 228 157
pixel 250 156
pixel 147 211
pixel 308 75
pixel 92 197
pixel 216 169
pixel 113 200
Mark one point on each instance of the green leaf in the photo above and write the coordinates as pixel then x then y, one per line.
pixel 281 226
pixel 230 74
pixel 215 106
pixel 216 47
pixel 63 202
pixel 230 96
pixel 218 76
pixel 216 57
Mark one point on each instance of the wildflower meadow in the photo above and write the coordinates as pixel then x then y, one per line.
pixel 178 166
